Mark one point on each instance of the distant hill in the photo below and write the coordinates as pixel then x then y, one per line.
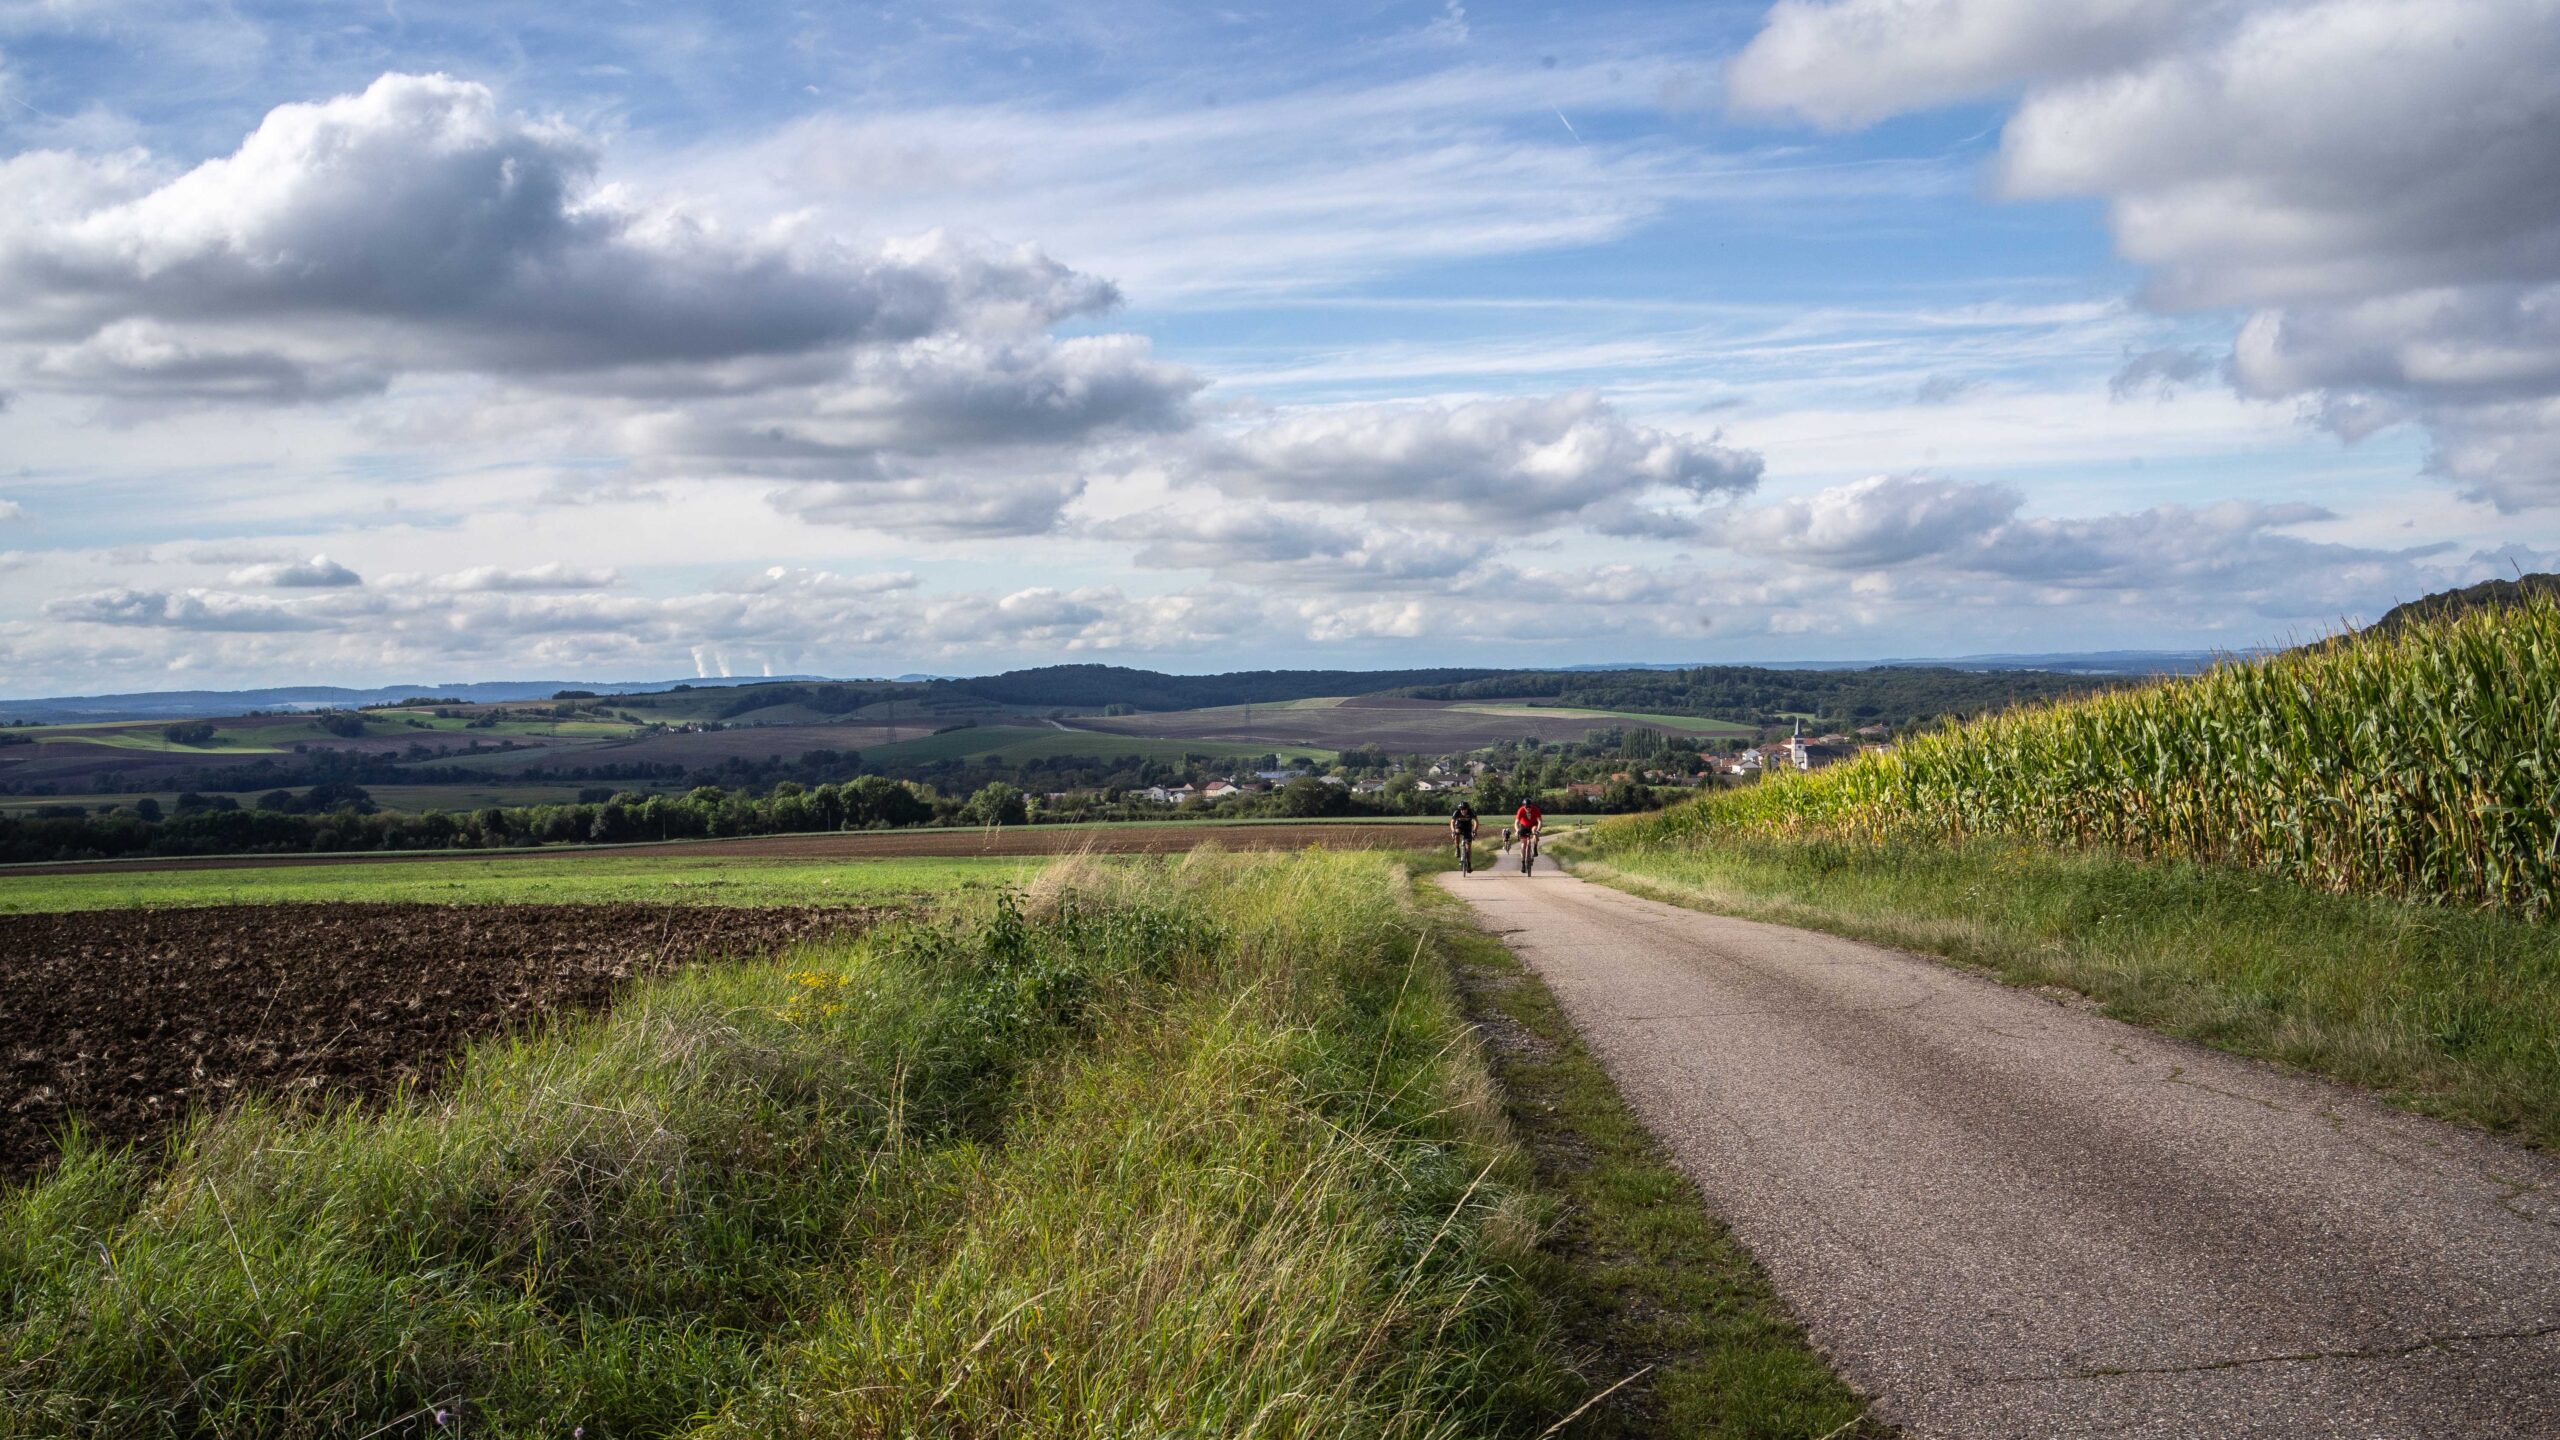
pixel 2058 662
pixel 187 704
pixel 2486 594
pixel 1092 688
pixel 1892 695
pixel 1095 686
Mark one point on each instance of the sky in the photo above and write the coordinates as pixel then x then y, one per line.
pixel 369 343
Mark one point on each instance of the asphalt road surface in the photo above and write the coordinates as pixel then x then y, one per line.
pixel 2004 1215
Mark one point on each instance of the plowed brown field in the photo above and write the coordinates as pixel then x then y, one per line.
pixel 1164 839
pixel 129 1019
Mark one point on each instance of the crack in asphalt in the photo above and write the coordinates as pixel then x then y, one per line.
pixel 2517 1190
pixel 2380 1352
pixel 2177 1076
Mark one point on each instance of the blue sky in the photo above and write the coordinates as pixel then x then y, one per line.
pixel 371 343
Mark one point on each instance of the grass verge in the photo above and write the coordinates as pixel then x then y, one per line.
pixel 526 880
pixel 1648 1285
pixel 1166 1148
pixel 2453 1013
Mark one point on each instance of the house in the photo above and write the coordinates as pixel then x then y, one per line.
pixel 1220 789
pixel 1369 787
pixel 1803 754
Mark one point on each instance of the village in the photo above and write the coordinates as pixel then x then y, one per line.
pixel 1614 773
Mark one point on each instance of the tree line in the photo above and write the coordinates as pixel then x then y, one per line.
pixel 354 822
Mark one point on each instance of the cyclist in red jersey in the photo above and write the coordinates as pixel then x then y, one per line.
pixel 1526 821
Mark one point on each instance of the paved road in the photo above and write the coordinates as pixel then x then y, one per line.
pixel 2003 1215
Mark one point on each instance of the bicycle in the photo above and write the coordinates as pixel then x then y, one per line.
pixel 1466 854
pixel 1528 851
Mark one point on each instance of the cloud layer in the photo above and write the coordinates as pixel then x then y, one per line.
pixel 1479 340
pixel 2375 181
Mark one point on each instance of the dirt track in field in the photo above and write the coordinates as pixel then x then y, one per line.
pixel 131 1019
pixel 857 845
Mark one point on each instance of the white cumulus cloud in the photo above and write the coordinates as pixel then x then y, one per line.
pixel 317 573
pixel 1844 63
pixel 1511 464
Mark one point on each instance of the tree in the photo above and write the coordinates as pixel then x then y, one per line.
pixel 1625 797
pixel 189 732
pixel 1307 798
pixel 331 795
pixel 996 804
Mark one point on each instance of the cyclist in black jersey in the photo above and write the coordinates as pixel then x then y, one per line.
pixel 1462 827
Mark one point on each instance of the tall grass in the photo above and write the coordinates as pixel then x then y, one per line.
pixel 1172 1148
pixel 2422 765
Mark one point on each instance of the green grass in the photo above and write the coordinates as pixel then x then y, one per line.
pixel 589 879
pixel 1647 1281
pixel 2454 1013
pixel 412 798
pixel 1179 1148
pixel 1025 742
pixel 154 741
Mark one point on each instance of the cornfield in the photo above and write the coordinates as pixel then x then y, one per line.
pixel 2419 765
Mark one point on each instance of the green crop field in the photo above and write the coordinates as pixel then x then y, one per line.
pixel 1025 742
pixel 692 879
pixel 2418 765
pixel 153 740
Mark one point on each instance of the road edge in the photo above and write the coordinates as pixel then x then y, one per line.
pixel 1653 1293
